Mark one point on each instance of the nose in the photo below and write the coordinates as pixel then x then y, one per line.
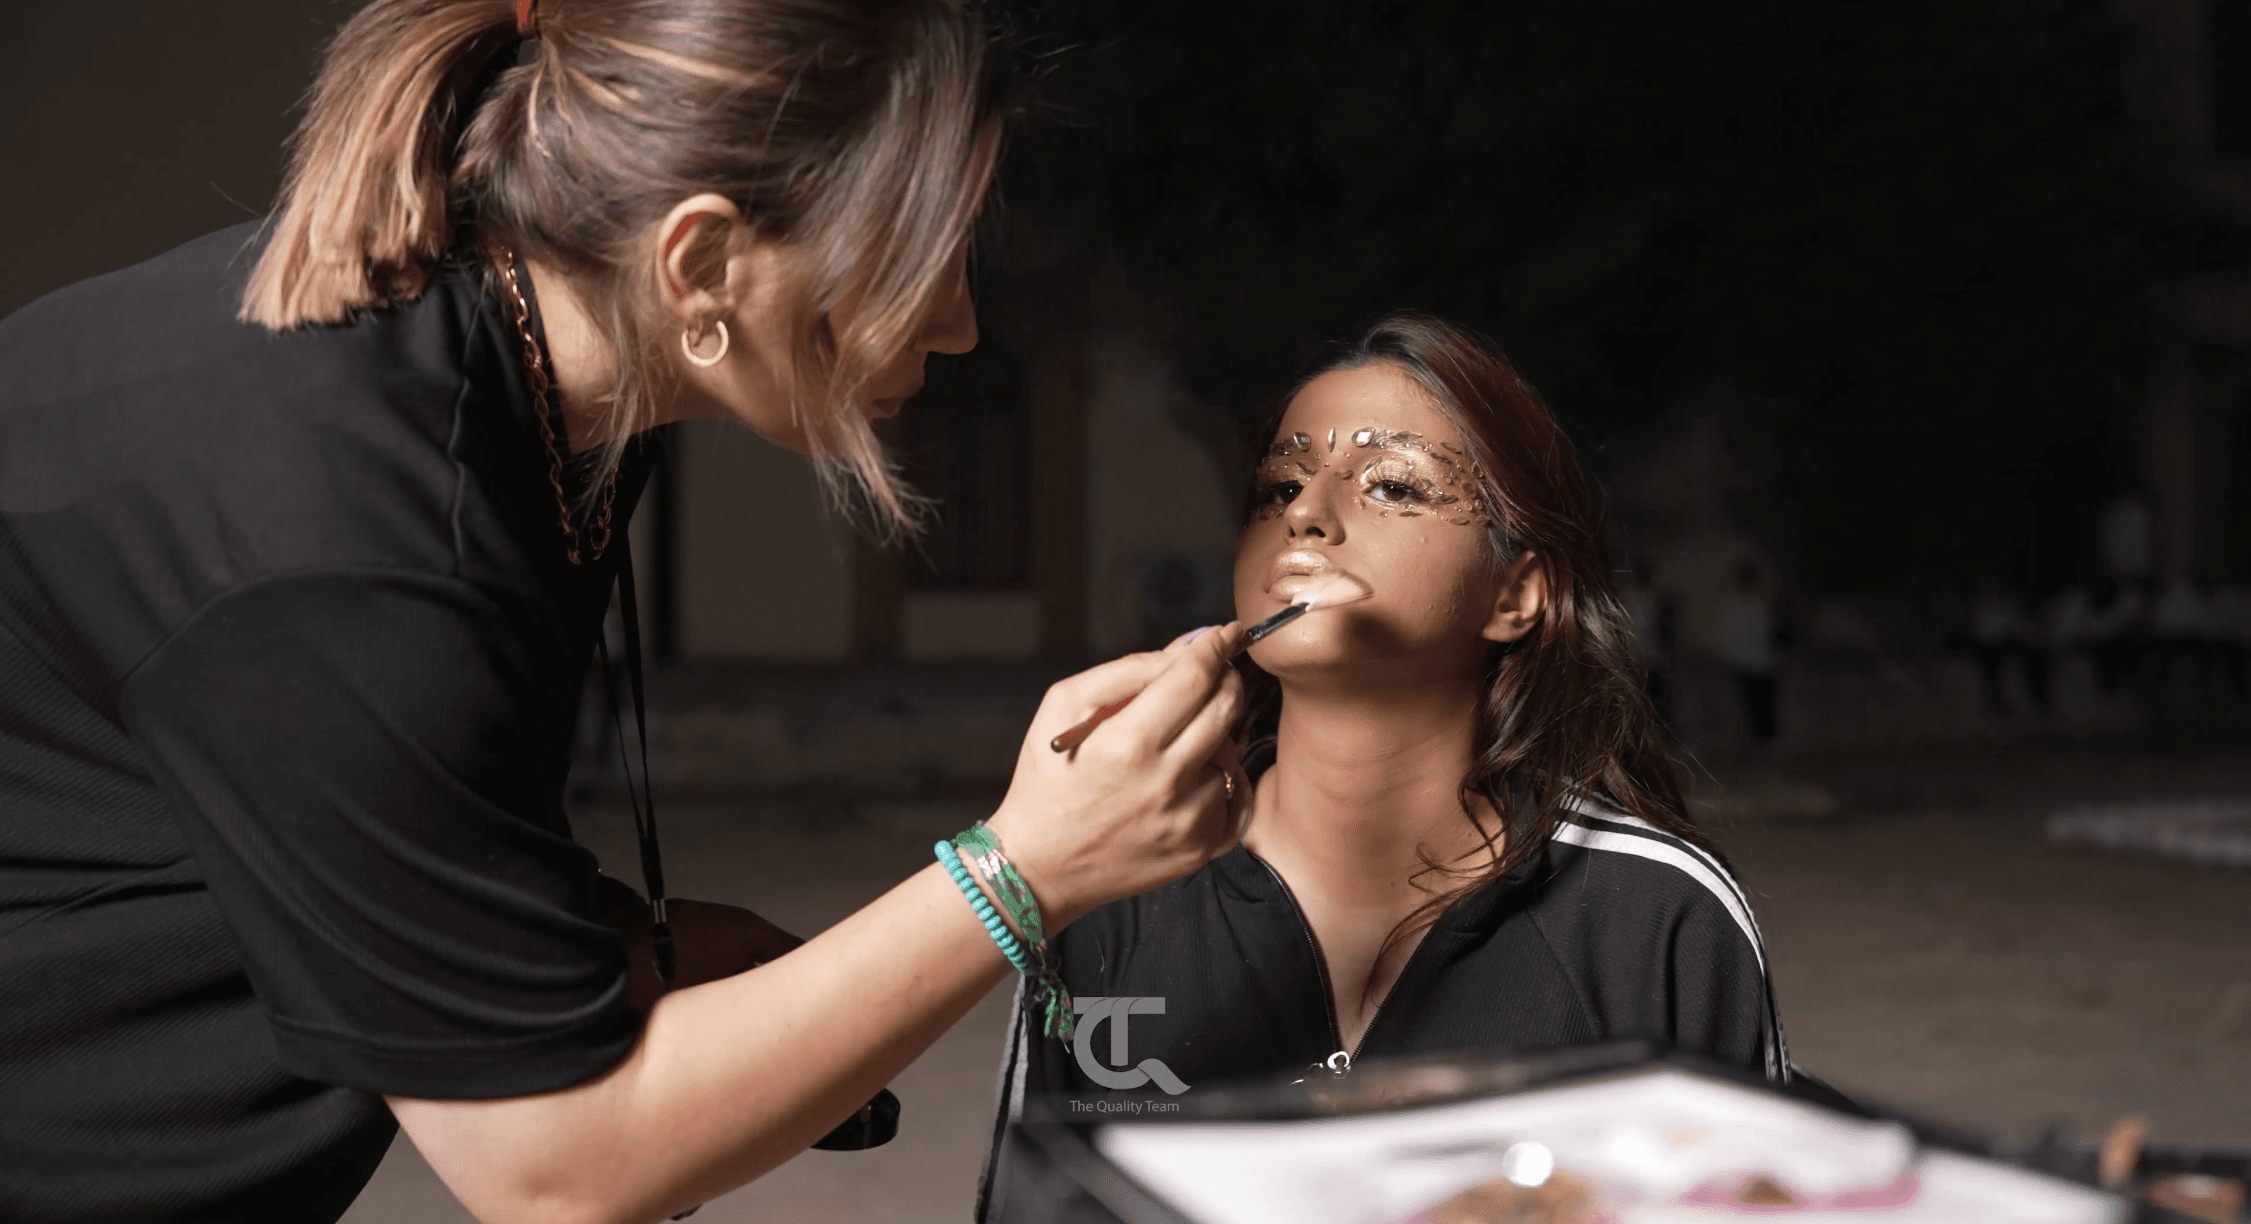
pixel 951 325
pixel 1313 513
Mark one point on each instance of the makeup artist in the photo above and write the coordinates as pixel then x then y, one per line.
pixel 306 530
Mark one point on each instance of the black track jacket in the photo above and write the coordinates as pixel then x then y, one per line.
pixel 1615 930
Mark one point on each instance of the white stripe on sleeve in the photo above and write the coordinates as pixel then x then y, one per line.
pixel 1693 866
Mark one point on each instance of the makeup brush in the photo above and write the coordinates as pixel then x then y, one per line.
pixel 1318 591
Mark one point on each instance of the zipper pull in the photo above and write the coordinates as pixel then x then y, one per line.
pixel 1334 1066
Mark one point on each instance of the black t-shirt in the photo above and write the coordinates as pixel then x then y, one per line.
pixel 1615 930
pixel 290 654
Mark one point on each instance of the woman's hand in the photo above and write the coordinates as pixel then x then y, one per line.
pixel 1144 800
pixel 709 942
pixel 735 1076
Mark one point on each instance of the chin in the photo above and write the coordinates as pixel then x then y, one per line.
pixel 1304 648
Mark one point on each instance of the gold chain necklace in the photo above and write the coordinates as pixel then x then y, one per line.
pixel 535 369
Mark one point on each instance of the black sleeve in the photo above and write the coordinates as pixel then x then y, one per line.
pixel 1721 1004
pixel 1661 943
pixel 367 770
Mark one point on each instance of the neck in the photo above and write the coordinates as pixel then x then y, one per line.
pixel 584 364
pixel 1366 788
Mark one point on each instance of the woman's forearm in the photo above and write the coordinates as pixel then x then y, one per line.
pixel 733 1077
pixel 730 1078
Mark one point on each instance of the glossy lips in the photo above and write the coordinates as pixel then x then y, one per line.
pixel 1302 576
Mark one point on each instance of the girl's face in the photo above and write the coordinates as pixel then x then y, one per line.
pixel 1366 479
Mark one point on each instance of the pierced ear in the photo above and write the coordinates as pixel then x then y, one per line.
pixel 1523 597
pixel 695 245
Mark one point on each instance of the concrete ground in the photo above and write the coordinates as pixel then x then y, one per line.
pixel 1932 952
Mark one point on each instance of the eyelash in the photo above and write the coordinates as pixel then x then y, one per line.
pixel 1271 496
pixel 1414 490
pixel 1404 488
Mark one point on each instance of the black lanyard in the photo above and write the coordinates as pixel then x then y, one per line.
pixel 639 794
pixel 876 1122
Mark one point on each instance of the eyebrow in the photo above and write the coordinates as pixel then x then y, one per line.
pixel 1294 444
pixel 1395 441
pixel 1403 442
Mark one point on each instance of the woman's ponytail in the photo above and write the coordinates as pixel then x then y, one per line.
pixel 364 211
pixel 863 134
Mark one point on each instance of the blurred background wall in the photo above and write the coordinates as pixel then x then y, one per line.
pixel 1912 340
pixel 1928 328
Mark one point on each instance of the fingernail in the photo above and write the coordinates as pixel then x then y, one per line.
pixel 1197 633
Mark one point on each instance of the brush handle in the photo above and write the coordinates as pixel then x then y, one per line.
pixel 1077 735
pixel 1257 633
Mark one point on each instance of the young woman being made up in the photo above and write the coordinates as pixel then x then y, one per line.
pixel 1467 836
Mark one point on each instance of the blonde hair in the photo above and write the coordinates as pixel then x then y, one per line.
pixel 864 134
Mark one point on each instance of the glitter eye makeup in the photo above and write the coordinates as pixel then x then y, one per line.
pixel 1394 484
pixel 1280 478
pixel 1404 473
pixel 1410 475
pixel 1274 493
pixel 1282 473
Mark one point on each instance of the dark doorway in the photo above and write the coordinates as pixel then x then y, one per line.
pixel 2235 491
pixel 2228 37
pixel 966 444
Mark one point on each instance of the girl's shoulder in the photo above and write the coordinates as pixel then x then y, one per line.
pixel 1632 865
pixel 1634 912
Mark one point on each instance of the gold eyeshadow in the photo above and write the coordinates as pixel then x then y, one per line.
pixel 1447 483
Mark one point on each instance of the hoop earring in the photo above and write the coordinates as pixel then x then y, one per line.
pixel 688 345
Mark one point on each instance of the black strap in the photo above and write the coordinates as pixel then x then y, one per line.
pixel 876 1122
pixel 640 794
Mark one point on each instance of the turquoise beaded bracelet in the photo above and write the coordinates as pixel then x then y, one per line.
pixel 978 845
pixel 994 926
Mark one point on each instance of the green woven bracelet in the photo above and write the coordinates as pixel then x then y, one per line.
pixel 980 844
pixel 1015 895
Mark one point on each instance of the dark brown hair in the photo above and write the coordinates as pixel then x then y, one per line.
pixel 1565 717
pixel 864 133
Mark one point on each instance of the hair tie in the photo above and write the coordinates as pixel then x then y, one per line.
pixel 527 23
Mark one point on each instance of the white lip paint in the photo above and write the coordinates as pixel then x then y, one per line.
pixel 1320 590
pixel 1307 592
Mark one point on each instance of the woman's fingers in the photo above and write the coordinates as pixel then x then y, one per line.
pixel 1230 758
pixel 709 941
pixel 1074 699
pixel 1185 638
pixel 1210 727
pixel 1205 752
pixel 1176 697
pixel 736 937
pixel 1146 798
pixel 1223 827
pixel 1129 677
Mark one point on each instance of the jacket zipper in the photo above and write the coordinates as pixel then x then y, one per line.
pixel 1328 996
pixel 1320 966
pixel 1328 993
pixel 1377 1014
